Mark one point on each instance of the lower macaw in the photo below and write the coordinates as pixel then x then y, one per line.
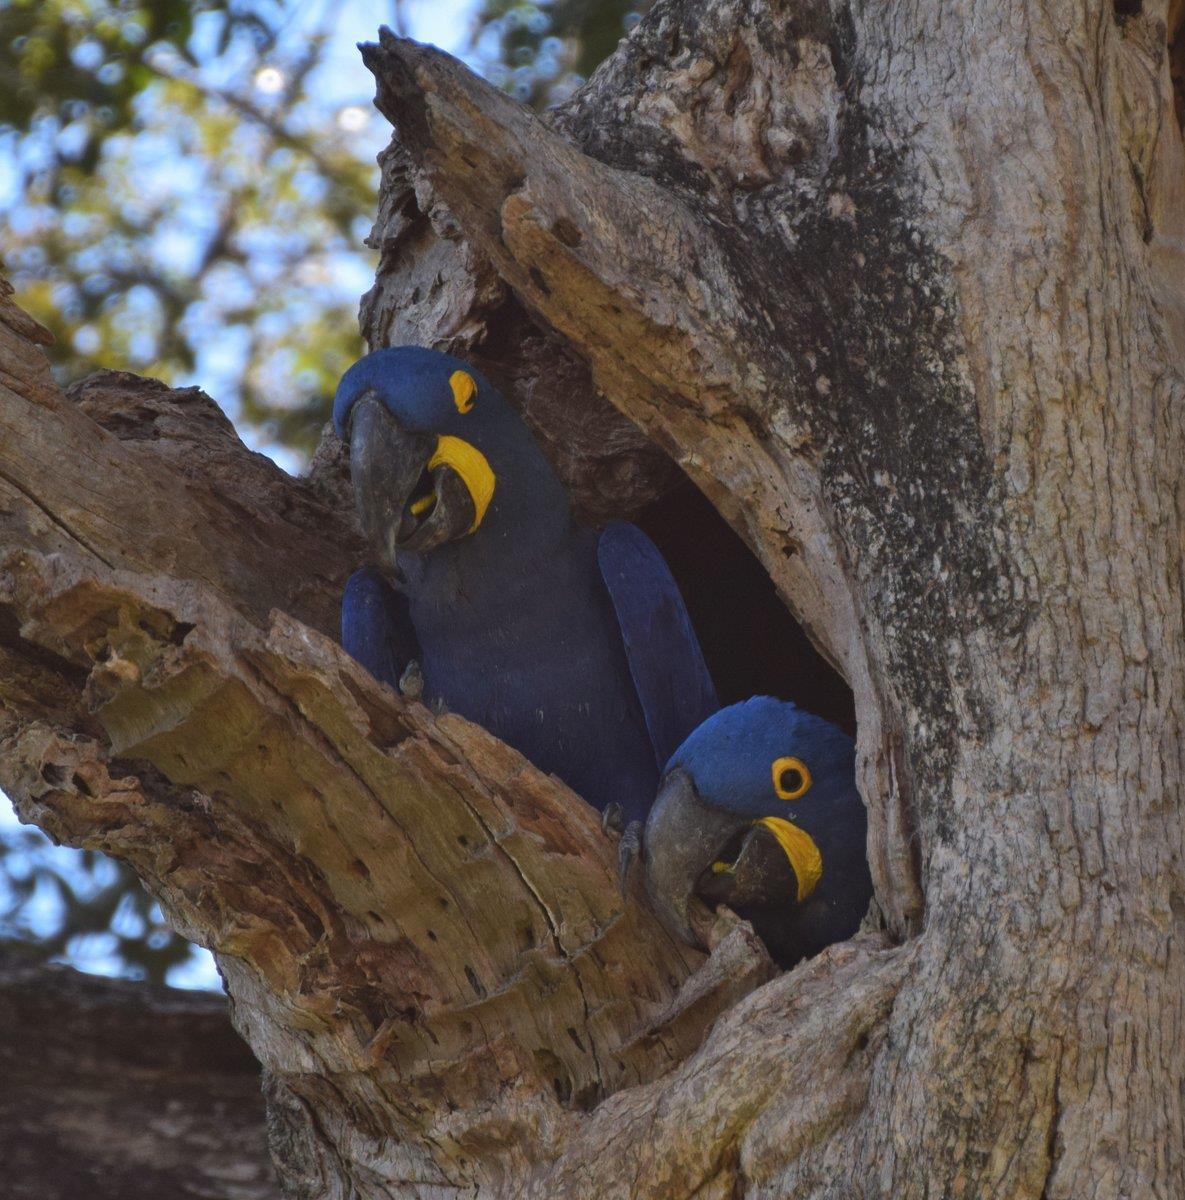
pixel 758 810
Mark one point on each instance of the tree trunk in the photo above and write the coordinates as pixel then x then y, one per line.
pixel 901 289
pixel 123 1091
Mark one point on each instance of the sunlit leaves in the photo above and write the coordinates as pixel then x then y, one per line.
pixel 83 62
pixel 541 51
pixel 82 907
pixel 215 233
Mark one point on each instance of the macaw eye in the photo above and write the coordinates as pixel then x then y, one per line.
pixel 791 778
pixel 464 389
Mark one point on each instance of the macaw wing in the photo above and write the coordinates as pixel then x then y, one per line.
pixel 376 626
pixel 666 663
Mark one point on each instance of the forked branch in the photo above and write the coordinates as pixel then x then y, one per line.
pixel 399 903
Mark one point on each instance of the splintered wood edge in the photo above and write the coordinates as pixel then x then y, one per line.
pixel 291 782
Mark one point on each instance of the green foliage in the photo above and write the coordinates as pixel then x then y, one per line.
pixel 85 61
pixel 543 50
pixel 85 907
pixel 186 206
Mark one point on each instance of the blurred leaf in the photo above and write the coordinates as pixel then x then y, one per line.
pixel 54 901
pixel 542 51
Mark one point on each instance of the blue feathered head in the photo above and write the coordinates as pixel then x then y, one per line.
pixel 424 390
pixel 766 757
pixel 757 809
pixel 436 453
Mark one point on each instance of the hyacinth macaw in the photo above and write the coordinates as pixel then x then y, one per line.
pixel 572 645
pixel 758 809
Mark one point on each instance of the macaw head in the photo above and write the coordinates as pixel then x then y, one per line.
pixel 751 808
pixel 436 453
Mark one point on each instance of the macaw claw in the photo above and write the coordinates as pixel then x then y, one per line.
pixel 613 818
pixel 629 850
pixel 411 682
pixel 629 847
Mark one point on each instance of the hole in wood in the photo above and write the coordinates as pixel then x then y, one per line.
pixel 54 774
pixel 753 646
pixel 474 982
pixel 1176 35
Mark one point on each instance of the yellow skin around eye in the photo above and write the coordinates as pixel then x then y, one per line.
pixel 464 389
pixel 781 765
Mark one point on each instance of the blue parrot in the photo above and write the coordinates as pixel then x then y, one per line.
pixel 758 809
pixel 573 646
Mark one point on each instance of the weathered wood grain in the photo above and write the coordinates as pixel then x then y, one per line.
pixel 895 286
pixel 898 287
pixel 394 897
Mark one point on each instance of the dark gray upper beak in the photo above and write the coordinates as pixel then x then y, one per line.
pixel 683 837
pixel 693 852
pixel 400 505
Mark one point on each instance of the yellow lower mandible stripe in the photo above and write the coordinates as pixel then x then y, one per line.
pixel 473 468
pixel 801 850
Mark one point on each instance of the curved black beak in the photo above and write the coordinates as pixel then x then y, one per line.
pixel 760 874
pixel 401 504
pixel 681 839
pixel 693 852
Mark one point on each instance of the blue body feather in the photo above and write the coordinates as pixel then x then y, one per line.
pixel 523 626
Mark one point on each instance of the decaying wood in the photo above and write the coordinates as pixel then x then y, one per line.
pixel 899 288
pixel 394 897
pixel 123 1091
pixel 434 288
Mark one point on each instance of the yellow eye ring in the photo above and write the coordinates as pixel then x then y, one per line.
pixel 792 778
pixel 464 389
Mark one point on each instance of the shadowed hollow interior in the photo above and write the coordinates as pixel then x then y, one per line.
pixel 752 644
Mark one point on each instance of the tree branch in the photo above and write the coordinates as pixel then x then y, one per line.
pixel 689 331
pixel 133 1091
pixel 390 892
pixel 133 476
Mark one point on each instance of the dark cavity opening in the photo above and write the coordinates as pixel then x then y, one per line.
pixel 1126 9
pixel 1177 57
pixel 753 646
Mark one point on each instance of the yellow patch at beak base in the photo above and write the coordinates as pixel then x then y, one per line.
pixel 473 468
pixel 801 850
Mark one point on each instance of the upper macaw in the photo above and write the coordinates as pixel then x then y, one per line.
pixel 574 646
pixel 758 809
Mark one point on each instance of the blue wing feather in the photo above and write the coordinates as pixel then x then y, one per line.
pixel 376 626
pixel 666 663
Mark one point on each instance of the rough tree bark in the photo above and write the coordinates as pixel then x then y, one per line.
pixel 900 288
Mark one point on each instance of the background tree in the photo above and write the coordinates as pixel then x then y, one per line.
pixel 900 291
